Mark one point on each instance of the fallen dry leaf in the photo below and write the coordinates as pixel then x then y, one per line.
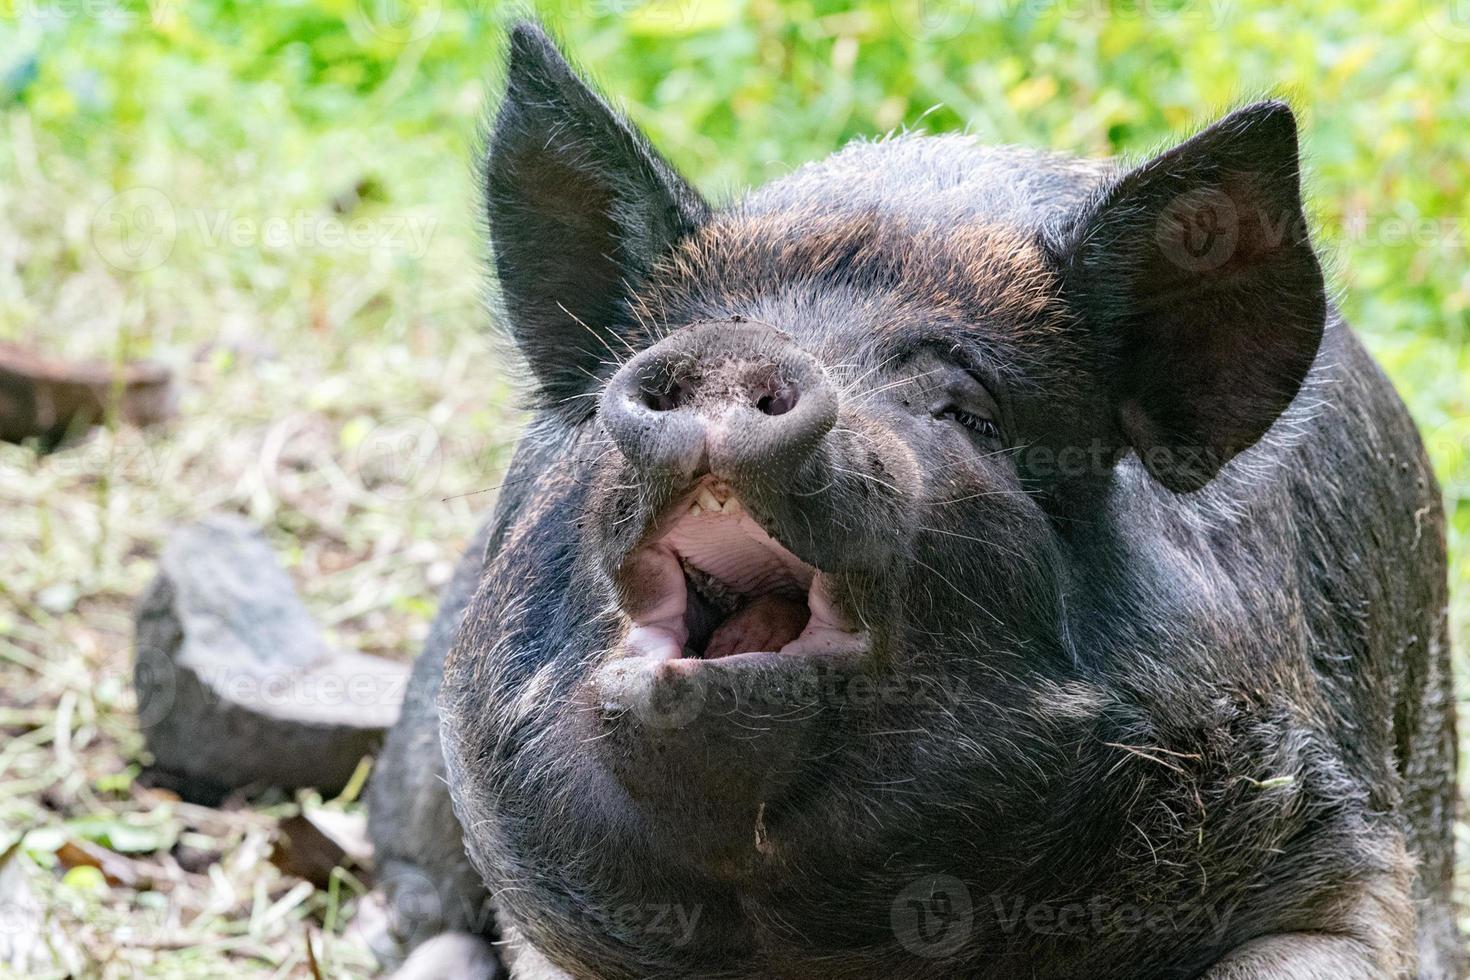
pixel 118 870
pixel 312 843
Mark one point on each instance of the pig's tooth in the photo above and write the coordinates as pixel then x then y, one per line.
pixel 695 510
pixel 708 501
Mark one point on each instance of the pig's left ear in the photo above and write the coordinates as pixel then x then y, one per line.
pixel 579 206
pixel 1197 274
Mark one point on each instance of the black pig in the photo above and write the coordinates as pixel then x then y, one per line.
pixel 946 561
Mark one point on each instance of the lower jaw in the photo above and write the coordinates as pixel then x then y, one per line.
pixel 659 690
pixel 808 651
pixel 706 750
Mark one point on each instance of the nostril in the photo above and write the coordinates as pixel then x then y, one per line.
pixel 659 401
pixel 778 402
pixel 663 396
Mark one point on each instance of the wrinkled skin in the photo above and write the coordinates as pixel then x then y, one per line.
pixel 1128 563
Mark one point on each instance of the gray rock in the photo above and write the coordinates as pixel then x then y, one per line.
pixel 236 686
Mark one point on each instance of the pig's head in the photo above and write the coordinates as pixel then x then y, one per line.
pixel 779 623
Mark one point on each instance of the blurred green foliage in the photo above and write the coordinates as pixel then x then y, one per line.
pixel 275 106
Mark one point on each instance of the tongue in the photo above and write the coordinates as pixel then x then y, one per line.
pixel 768 623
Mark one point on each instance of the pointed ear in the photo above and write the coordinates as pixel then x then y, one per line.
pixel 1196 273
pixel 579 206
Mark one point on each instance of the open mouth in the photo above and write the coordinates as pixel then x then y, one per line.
pixel 711 583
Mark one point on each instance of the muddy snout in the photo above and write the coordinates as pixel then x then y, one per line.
pixel 737 399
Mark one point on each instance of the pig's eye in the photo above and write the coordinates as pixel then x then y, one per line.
pixel 978 424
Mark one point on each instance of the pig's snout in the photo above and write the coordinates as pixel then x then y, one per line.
pixel 735 398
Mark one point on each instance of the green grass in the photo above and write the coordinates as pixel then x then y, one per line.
pixel 167 185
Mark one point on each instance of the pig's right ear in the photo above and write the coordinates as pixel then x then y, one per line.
pixel 1196 274
pixel 579 206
